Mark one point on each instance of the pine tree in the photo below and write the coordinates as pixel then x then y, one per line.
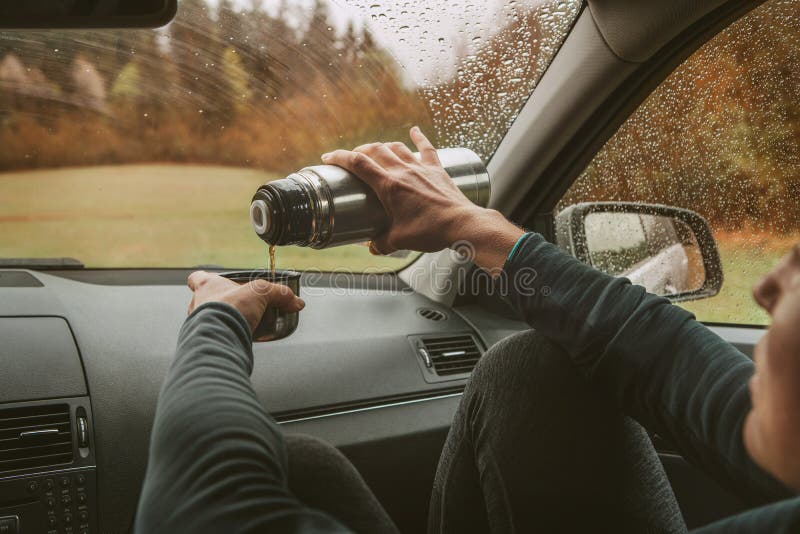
pixel 321 44
pixel 197 52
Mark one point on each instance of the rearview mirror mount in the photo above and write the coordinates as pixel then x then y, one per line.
pixel 46 14
pixel 670 251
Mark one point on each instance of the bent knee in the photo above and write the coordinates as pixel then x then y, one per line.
pixel 309 449
pixel 525 363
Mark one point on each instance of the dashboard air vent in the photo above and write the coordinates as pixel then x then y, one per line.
pixel 451 355
pixel 35 436
pixel 431 314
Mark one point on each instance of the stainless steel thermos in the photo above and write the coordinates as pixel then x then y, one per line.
pixel 326 206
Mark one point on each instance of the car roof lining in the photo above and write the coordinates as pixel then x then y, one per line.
pixel 635 30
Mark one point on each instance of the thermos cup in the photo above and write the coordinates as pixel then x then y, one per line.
pixel 275 323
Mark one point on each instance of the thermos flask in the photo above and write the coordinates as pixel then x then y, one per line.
pixel 326 206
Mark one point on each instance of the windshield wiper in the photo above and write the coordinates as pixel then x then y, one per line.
pixel 41 264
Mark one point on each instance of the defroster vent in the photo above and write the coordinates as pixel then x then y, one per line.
pixel 431 314
pixel 450 355
pixel 34 437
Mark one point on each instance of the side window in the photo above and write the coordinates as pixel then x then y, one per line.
pixel 720 136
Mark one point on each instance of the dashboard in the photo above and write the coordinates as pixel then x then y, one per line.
pixel 376 369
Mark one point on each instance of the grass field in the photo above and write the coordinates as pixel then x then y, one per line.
pixel 742 267
pixel 150 216
pixel 179 216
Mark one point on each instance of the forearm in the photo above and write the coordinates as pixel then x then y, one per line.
pixel 487 234
pixel 217 460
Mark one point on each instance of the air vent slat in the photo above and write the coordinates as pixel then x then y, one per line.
pixel 452 347
pixel 449 350
pixel 34 457
pixel 447 340
pixel 455 361
pixel 452 342
pixel 35 436
pixel 14 432
pixel 36 450
pixel 39 417
pixel 49 460
pixel 456 370
pixel 7 444
pixel 451 366
pixel 452 355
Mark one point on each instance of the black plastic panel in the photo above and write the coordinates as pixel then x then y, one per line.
pixel 395 448
pixel 18 279
pixel 52 503
pixel 701 499
pixel 39 358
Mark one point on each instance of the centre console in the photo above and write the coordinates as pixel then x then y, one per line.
pixel 48 481
pixel 48 478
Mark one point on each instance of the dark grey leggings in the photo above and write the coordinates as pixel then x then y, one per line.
pixel 534 449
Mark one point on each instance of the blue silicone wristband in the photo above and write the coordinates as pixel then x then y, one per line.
pixel 516 246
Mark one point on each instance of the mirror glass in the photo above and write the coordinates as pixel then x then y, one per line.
pixel 657 252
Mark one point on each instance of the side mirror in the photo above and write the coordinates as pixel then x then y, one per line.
pixel 48 14
pixel 670 251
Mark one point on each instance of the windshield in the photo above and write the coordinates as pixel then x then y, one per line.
pixel 142 148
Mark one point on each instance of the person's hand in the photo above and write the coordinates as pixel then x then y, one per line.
pixel 427 211
pixel 250 299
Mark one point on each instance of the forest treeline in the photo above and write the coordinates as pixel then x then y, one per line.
pixel 275 88
pixel 224 86
pixel 257 87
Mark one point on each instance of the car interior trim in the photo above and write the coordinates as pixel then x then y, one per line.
pixel 371 408
pixel 50 472
pixel 636 30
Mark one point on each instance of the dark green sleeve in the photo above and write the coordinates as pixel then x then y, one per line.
pixel 665 369
pixel 217 460
pixel 779 518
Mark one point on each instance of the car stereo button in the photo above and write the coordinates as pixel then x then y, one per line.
pixel 9 525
